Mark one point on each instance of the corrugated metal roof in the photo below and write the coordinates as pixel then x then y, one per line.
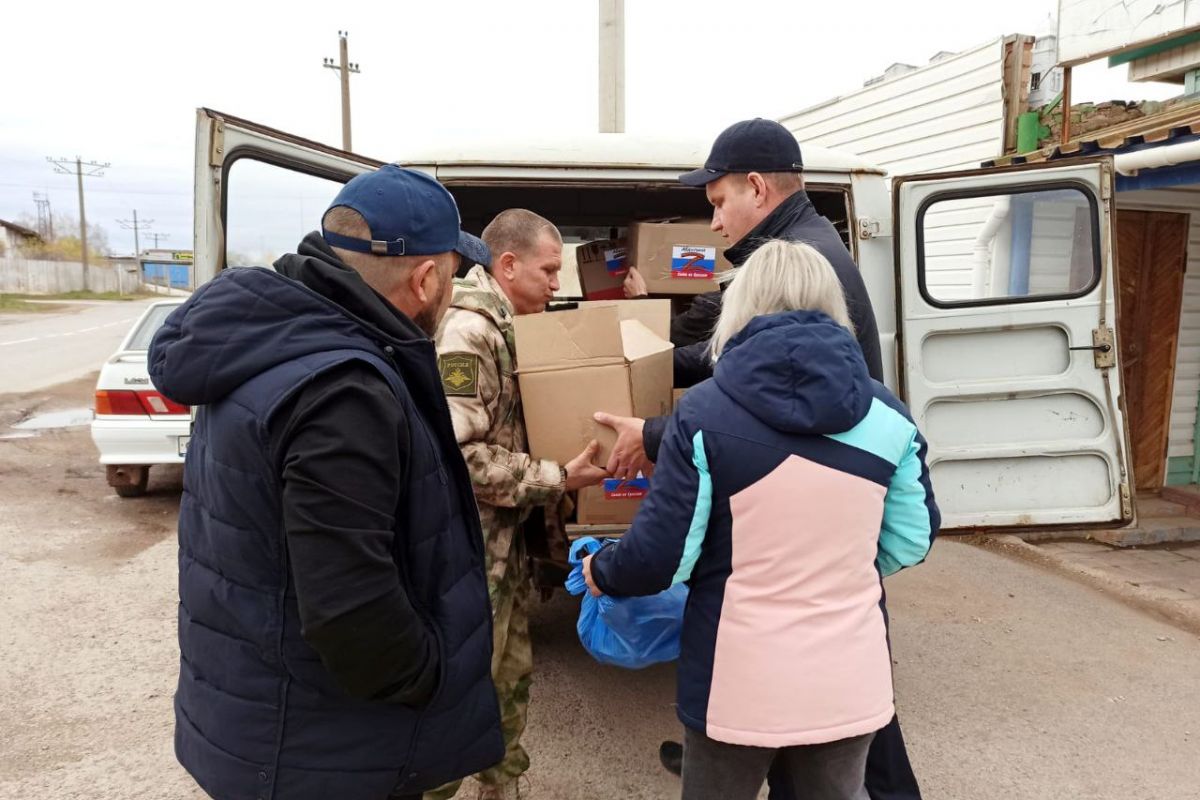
pixel 1151 131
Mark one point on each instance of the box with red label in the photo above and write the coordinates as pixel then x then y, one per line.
pixel 603 266
pixel 607 356
pixel 677 257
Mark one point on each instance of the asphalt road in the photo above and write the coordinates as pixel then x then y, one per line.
pixel 39 349
pixel 1013 681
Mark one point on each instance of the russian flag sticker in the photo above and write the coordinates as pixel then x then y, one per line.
pixel 632 489
pixel 615 261
pixel 692 261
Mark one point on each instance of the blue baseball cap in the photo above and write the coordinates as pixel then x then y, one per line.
pixel 409 214
pixel 753 145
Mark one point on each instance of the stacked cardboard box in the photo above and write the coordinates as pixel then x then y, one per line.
pixel 603 266
pixel 598 357
pixel 682 257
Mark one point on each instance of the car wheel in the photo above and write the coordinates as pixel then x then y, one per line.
pixel 128 481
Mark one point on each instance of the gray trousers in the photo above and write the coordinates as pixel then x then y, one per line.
pixel 715 770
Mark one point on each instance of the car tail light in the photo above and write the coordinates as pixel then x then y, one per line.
pixel 125 402
pixel 156 403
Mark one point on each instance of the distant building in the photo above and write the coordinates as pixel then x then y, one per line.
pixel 167 268
pixel 16 237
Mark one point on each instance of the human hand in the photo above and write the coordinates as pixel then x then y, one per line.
pixel 581 471
pixel 629 453
pixel 587 577
pixel 635 284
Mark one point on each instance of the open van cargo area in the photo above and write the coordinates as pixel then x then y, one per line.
pixel 587 212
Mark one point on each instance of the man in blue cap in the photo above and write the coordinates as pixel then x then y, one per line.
pixel 334 624
pixel 754 181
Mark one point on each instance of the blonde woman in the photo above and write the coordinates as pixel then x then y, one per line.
pixel 787 487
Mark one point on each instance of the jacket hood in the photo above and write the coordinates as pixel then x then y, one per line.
pixel 250 319
pixel 799 372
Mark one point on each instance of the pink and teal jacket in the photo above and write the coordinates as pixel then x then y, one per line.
pixel 787 487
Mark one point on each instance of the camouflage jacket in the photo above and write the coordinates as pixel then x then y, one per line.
pixel 477 362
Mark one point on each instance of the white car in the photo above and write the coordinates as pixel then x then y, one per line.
pixel 135 426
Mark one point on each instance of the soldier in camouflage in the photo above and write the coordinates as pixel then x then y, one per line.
pixel 477 361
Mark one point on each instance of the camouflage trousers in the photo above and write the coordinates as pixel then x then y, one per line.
pixel 512 672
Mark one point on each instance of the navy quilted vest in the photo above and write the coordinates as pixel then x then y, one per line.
pixel 257 714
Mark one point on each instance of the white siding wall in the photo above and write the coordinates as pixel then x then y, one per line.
pixel 1187 365
pixel 947 115
pixel 943 116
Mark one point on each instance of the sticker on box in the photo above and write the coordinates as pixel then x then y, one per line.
pixel 691 261
pixel 631 489
pixel 616 262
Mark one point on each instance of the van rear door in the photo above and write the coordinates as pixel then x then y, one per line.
pixel 259 190
pixel 1007 352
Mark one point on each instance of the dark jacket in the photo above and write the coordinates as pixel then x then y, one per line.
pixel 788 485
pixel 796 219
pixel 334 624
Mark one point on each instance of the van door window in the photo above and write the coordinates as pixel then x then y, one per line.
pixel 1015 246
pixel 269 209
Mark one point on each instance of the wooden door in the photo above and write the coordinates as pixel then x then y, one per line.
pixel 1151 258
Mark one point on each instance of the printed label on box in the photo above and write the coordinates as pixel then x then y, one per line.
pixel 616 261
pixel 632 489
pixel 692 261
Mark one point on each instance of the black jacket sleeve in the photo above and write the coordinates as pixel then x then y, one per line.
pixel 693 364
pixel 652 436
pixel 342 446
pixel 697 323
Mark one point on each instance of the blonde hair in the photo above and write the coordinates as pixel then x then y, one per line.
pixel 780 276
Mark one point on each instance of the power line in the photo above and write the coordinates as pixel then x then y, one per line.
pixel 82 169
pixel 157 236
pixel 101 190
pixel 135 226
pixel 344 68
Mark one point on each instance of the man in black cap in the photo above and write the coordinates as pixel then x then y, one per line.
pixel 334 624
pixel 754 180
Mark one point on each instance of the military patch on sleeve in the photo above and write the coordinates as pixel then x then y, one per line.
pixel 460 374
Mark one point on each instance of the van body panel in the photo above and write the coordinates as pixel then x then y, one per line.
pixel 1023 431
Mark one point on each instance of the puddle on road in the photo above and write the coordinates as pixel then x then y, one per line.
pixel 52 420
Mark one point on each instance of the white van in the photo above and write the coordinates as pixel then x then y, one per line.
pixel 998 329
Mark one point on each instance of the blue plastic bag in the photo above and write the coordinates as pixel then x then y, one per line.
pixel 630 632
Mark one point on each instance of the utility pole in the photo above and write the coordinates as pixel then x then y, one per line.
pixel 157 236
pixel 612 66
pixel 344 67
pixel 45 217
pixel 80 169
pixel 135 226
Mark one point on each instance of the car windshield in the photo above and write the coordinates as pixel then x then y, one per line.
pixel 147 327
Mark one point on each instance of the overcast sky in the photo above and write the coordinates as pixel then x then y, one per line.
pixel 120 81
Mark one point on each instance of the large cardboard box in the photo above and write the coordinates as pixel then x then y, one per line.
pixel 571 364
pixel 602 267
pixel 678 257
pixel 654 314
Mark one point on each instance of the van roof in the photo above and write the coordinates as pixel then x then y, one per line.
pixel 611 150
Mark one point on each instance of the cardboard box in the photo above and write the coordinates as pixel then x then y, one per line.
pixel 678 257
pixel 571 364
pixel 602 267
pixel 654 314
